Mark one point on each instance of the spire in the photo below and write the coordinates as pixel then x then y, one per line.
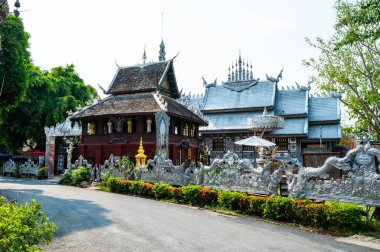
pixel 239 66
pixel 229 73
pixel 233 73
pixel 144 55
pixel 162 51
pixel 251 77
pixel 243 74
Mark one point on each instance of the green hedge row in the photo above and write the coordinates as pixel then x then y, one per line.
pixel 335 216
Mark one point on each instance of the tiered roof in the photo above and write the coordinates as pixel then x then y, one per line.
pixel 228 106
pixel 142 89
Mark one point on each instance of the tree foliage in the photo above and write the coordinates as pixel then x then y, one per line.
pixel 349 62
pixel 42 101
pixel 14 59
pixel 24 227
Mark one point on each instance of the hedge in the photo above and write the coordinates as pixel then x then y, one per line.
pixel 335 216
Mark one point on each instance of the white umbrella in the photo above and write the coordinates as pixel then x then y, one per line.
pixel 255 141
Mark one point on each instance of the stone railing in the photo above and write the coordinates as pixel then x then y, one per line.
pixel 29 168
pixel 360 182
pixel 9 167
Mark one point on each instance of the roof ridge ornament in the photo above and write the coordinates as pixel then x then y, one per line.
pixel 144 55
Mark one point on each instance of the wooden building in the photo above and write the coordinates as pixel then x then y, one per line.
pixel 141 105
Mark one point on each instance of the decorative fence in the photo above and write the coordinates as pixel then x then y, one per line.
pixel 28 168
pixel 360 182
pixel 9 167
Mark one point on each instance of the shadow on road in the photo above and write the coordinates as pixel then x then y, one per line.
pixel 71 215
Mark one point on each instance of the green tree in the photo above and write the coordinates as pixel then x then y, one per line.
pixel 49 96
pixel 33 98
pixel 14 59
pixel 349 62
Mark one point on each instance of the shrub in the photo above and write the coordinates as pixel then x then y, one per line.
pixel 230 200
pixel 175 193
pixel 208 197
pixel 162 191
pixel 67 178
pixel 41 173
pixel 79 175
pixel 141 188
pixel 147 190
pixel 279 208
pixel 119 186
pixel 252 205
pixel 310 214
pixel 191 194
pixel 344 216
pixel 330 215
pixel 23 227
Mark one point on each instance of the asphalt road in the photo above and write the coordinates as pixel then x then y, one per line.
pixel 91 220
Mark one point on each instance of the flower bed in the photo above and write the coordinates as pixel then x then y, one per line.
pixel 333 216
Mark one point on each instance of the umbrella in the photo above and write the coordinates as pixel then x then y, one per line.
pixel 255 141
pixel 37 152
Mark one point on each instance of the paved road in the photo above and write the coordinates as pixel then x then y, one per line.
pixel 91 220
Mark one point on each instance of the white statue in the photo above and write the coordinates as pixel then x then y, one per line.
pixel 69 155
pixel 162 133
pixel 149 125
pixel 109 124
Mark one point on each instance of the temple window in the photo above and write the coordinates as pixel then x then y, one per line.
pixel 148 125
pixel 186 130
pixel 282 143
pixel 218 144
pixel 129 123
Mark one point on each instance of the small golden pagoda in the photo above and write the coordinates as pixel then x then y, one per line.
pixel 140 157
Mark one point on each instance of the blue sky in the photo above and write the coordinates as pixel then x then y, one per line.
pixel 207 34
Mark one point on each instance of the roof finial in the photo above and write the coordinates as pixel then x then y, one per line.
pixel 144 54
pixel 162 52
pixel 233 72
pixel 229 73
pixel 251 76
pixel 240 77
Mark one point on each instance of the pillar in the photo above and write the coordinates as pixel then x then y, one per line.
pixel 49 155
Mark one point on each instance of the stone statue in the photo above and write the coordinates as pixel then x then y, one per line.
pixel 149 125
pixel 109 124
pixel 69 152
pixel 162 133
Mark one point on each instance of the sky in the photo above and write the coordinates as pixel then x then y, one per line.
pixel 96 35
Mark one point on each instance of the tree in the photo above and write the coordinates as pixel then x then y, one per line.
pixel 349 62
pixel 14 58
pixel 32 98
pixel 49 96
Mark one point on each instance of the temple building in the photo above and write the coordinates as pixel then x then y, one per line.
pixel 141 110
pixel 310 124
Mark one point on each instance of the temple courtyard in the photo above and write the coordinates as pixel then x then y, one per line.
pixel 93 220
